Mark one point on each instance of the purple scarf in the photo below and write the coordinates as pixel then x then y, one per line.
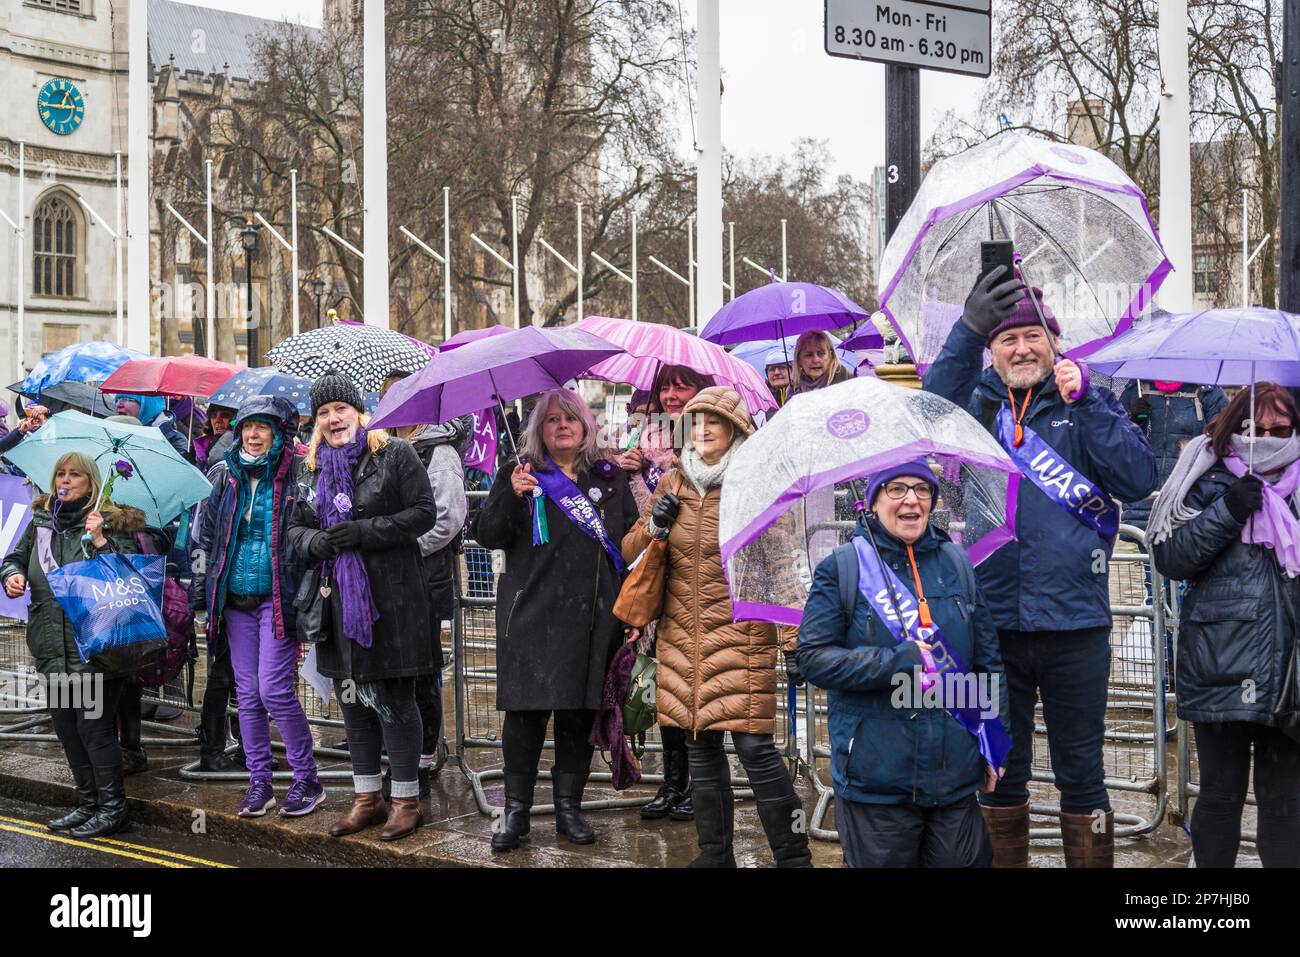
pixel 607 730
pixel 334 505
pixel 1274 526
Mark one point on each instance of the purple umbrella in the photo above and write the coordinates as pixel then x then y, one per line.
pixel 865 338
pixel 493 370
pixel 473 335
pixel 1214 347
pixel 780 309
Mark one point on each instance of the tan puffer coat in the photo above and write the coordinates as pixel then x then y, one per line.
pixel 714 674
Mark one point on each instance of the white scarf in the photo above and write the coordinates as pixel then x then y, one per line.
pixel 702 475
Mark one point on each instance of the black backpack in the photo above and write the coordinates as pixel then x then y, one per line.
pixel 846 567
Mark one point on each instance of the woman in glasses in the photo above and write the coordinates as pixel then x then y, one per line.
pixel 1225 522
pixel 905 772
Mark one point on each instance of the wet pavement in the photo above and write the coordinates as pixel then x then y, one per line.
pixel 26 842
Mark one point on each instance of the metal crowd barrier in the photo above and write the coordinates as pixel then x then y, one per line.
pixel 1136 726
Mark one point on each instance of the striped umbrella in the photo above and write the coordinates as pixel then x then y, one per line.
pixel 650 346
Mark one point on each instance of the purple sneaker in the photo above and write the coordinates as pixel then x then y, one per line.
pixel 260 799
pixel 303 798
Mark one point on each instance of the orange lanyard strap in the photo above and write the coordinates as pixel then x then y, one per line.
pixel 923 605
pixel 1020 430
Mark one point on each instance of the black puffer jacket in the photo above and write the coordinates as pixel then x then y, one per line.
pixel 392 503
pixel 1235 630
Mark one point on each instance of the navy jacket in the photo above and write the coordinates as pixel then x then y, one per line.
pixel 219 523
pixel 1174 419
pixel 1235 632
pixel 882 754
pixel 1055 576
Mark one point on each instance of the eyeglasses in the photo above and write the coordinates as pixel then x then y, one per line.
pixel 899 490
pixel 1276 431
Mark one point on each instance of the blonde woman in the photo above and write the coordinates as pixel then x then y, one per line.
pixel 559 516
pixel 54 539
pixel 368 503
pixel 816 364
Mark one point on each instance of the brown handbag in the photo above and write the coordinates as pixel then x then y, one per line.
pixel 641 599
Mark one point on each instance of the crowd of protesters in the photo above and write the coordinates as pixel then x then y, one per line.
pixel 321 530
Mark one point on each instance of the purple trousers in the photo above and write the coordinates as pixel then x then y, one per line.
pixel 266 672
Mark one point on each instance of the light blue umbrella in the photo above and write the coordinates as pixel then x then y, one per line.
pixel 80 362
pixel 161 484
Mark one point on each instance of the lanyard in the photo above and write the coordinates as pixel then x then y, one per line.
pixel 1020 432
pixel 923 606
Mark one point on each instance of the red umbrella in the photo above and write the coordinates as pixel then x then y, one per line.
pixel 171 375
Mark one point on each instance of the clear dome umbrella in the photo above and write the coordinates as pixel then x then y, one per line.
pixel 777 516
pixel 1078 222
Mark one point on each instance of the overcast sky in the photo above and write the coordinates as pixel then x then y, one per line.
pixel 780 84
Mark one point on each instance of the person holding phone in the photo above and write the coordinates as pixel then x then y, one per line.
pixel 1048 590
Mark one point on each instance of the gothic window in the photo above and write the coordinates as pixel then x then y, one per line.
pixel 56 246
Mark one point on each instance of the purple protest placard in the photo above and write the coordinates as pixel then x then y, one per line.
pixel 482 452
pixel 15 513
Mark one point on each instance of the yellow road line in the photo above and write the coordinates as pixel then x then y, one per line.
pixel 45 836
pixel 136 847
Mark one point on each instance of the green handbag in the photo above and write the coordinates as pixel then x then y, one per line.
pixel 639 712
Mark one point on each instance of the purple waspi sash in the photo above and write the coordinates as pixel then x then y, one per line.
pixel 992 738
pixel 1058 479
pixel 559 488
pixel 653 475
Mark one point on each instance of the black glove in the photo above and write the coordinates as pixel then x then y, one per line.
pixel 792 672
pixel 665 511
pixel 321 548
pixel 345 536
pixel 1141 411
pixel 990 301
pixel 1244 497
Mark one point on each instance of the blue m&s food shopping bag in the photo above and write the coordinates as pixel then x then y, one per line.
pixel 114 602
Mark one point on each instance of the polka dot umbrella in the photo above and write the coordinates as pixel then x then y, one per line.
pixel 367 354
pixel 267 380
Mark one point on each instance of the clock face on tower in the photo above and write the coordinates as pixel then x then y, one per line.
pixel 61 106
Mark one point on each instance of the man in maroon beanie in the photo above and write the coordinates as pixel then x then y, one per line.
pixel 1048 591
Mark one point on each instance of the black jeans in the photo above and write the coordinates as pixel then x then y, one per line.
pixel 757 752
pixel 1223 749
pixel 379 714
pixel 89 736
pixel 1070 669
pixel 128 716
pixel 219 693
pixel 523 733
pixel 905 835
pixel 428 697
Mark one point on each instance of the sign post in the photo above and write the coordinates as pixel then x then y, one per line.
pixel 955 36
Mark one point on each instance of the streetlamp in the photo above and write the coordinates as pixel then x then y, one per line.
pixel 248 237
pixel 318 287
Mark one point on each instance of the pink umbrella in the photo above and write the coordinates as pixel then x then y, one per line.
pixel 650 346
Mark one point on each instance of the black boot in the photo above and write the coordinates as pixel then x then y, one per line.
pixel 683 810
pixel 787 831
pixel 514 825
pixel 426 786
pixel 111 817
pixel 568 787
pixel 87 798
pixel 674 790
pixel 715 815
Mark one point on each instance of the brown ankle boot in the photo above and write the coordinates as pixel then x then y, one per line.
pixel 367 809
pixel 404 820
pixel 1008 829
pixel 1089 839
